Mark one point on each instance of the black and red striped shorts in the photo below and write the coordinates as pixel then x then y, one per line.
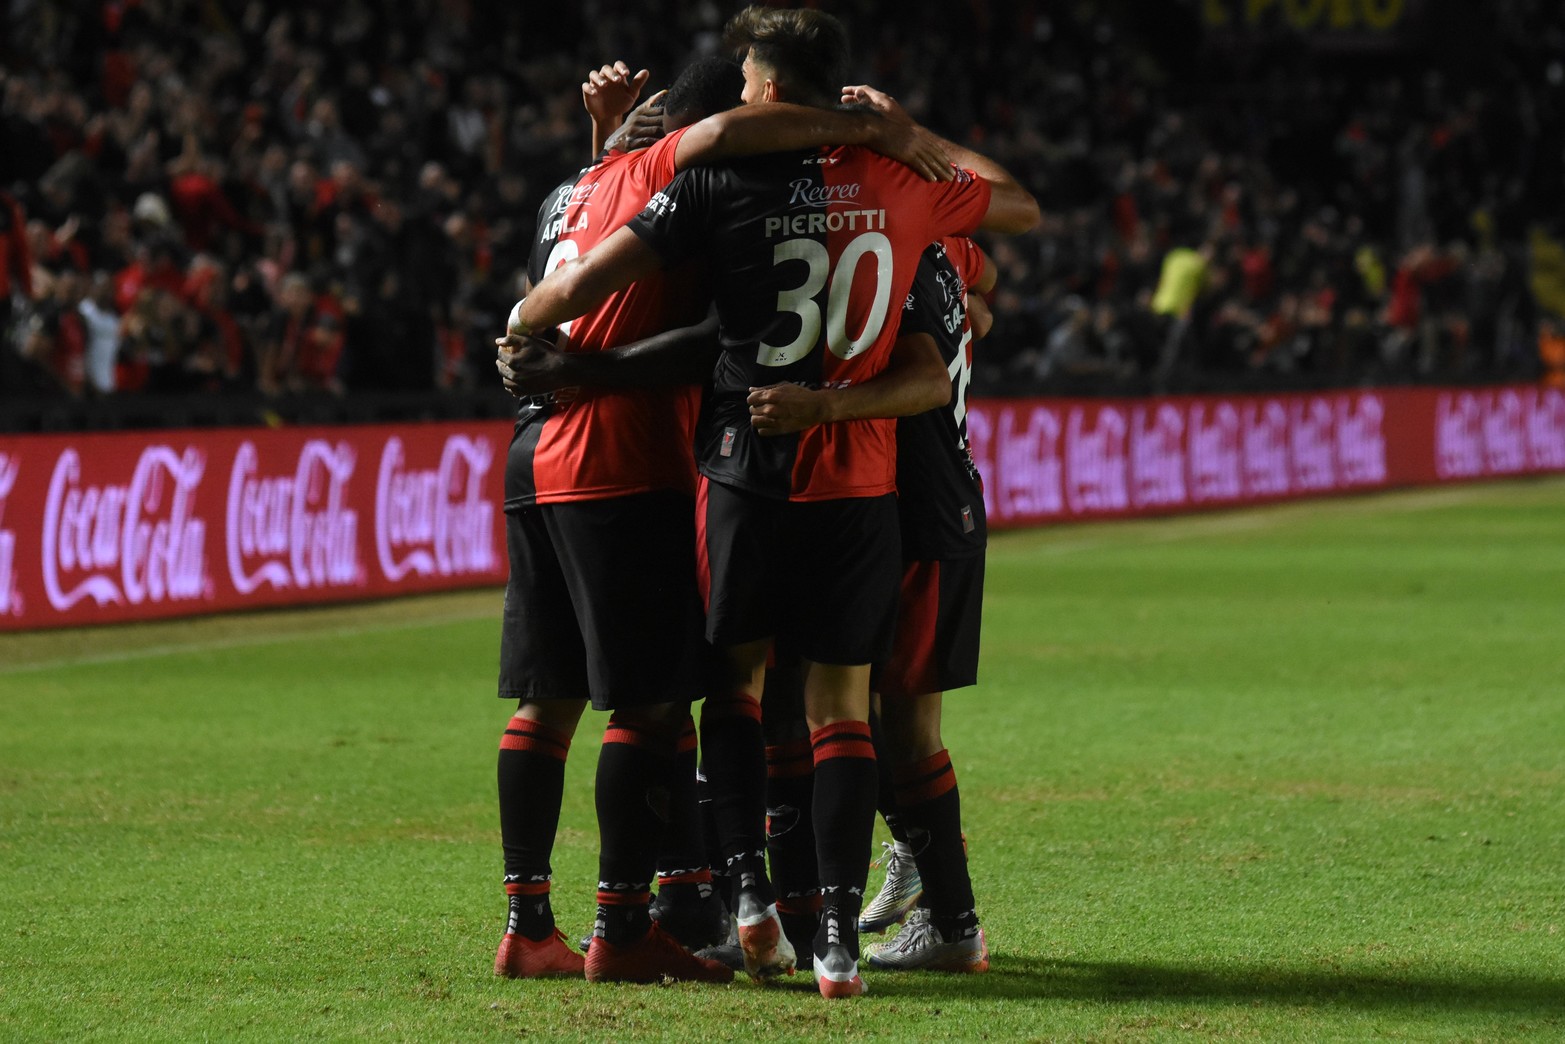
pixel 938 618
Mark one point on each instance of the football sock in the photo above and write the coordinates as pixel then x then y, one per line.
pixel 735 763
pixel 632 800
pixel 932 813
pixel 790 837
pixel 844 809
pixel 683 870
pixel 714 854
pixel 531 775
pixel 886 792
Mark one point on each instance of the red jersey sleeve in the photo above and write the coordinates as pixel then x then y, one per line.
pixel 656 162
pixel 957 206
pixel 966 257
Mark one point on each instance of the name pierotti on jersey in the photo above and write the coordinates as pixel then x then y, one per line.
pixel 806 193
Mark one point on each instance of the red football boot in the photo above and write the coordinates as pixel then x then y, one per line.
pixel 653 958
pixel 522 958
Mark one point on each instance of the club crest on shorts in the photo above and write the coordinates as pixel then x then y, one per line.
pixel 967 519
pixel 728 442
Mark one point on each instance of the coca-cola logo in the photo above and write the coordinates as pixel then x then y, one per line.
pixel 1505 434
pixel 1096 461
pixel 1026 470
pixel 1361 442
pixel 435 522
pixel 1458 436
pixel 133 543
pixel 10 594
pixel 1311 445
pixel 1157 461
pixel 1546 429
pixel 1214 453
pixel 293 530
pixel 1266 449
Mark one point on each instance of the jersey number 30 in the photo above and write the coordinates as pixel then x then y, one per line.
pixel 804 302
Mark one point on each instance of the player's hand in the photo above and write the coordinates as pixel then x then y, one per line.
pixel 879 101
pixel 979 316
pixel 911 144
pixel 611 91
pixel 643 127
pixel 529 365
pixel 782 409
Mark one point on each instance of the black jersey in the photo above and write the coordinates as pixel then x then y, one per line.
pixel 811 254
pixel 939 490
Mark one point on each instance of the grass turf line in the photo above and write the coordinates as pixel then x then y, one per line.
pixel 1287 774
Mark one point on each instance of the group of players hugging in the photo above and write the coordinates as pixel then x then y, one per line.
pixel 773 269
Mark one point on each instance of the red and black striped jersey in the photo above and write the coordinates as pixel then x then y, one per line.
pixel 940 496
pixel 588 444
pixel 811 256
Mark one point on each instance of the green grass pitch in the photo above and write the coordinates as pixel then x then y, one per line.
pixel 1291 774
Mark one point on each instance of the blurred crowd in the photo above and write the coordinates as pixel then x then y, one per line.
pixel 204 196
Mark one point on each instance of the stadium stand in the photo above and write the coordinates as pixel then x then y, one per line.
pixel 218 211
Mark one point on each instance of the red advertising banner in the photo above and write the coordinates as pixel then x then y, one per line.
pixel 102 528
pixel 1046 460
pixel 109 527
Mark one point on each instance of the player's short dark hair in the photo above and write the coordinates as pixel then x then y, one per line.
pixel 706 87
pixel 806 49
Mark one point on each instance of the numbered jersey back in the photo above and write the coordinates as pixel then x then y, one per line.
pixel 590 444
pixel 812 256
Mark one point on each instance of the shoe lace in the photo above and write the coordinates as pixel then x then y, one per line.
pixel 890 858
pixel 918 933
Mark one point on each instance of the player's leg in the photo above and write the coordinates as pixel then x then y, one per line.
pixel 632 797
pixel 630 567
pixel 846 557
pixel 687 904
pixel 901 888
pixel 541 667
pixel 836 700
pixel 937 646
pixel 790 819
pixel 736 549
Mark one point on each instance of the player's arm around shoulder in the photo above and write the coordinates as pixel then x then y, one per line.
pixel 914 381
pixel 1012 209
pixel 751 130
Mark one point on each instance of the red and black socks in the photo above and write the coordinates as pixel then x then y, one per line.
pixel 531 777
pixel 733 753
pixel 844 812
pixel 790 838
pixel 931 807
pixel 632 797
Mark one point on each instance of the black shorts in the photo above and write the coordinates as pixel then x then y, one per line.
pixel 819 576
pixel 936 647
pixel 602 603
